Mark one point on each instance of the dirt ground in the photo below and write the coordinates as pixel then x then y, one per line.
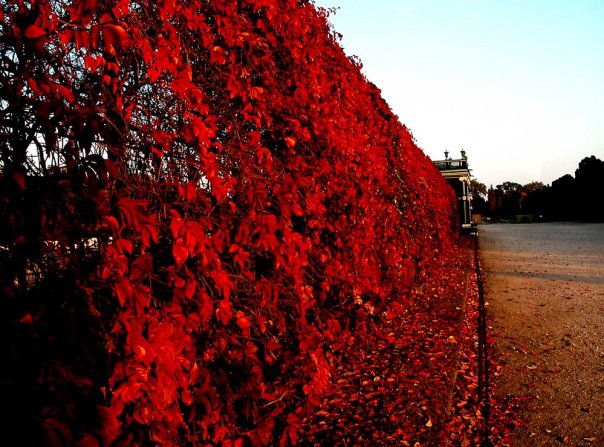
pixel 545 289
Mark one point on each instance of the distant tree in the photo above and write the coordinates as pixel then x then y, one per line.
pixel 568 197
pixel 533 186
pixel 479 194
pixel 529 198
pixel 478 188
pixel 561 201
pixel 508 187
pixel 590 168
pixel 507 199
pixel 589 182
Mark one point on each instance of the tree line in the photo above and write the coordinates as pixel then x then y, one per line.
pixel 567 198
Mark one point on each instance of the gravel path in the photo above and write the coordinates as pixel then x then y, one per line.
pixel 545 288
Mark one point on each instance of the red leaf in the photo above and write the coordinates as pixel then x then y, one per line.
pixel 26 319
pixel 180 253
pixel 65 93
pixel 82 40
pixel 110 424
pixel 223 312
pixel 95 34
pixel 206 307
pixel 84 8
pixel 297 210
pixel 34 31
pixel 123 290
pixel 256 92
pixel 115 36
pixel 56 432
pixel 218 55
pixel 293 425
pixel 176 224
pixel 19 179
pixel 88 441
pixel 124 245
pixel 111 223
pixel 243 322
pixel 290 141
pixel 92 63
pixel 223 283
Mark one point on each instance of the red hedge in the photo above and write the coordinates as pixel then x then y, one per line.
pixel 203 203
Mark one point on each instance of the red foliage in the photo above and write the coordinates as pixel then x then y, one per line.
pixel 416 382
pixel 202 203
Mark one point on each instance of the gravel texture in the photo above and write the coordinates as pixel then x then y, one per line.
pixel 545 288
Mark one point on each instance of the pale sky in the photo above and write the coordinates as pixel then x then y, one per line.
pixel 518 84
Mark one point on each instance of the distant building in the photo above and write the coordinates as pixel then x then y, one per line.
pixel 457 173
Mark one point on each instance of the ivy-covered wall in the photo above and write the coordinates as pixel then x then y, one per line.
pixel 203 204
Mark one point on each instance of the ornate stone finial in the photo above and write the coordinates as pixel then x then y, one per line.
pixel 463 154
pixel 446 155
